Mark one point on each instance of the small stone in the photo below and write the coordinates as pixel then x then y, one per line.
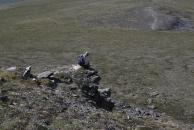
pixel 68 81
pixel 45 74
pixel 152 106
pixel 64 108
pixel 3 98
pixel 105 92
pixel 150 101
pixel 74 95
pixel 73 88
pixel 2 80
pixel 12 68
pixel 22 105
pixel 108 104
pixel 14 93
pixel 52 84
pixel 154 94
pixel 89 88
pixel 138 110
pixel 14 103
pixel 91 72
pixel 93 86
pixel 95 79
pixel 92 92
pixel 143 128
pixel 34 79
pixel 75 67
pixel 45 113
pixel 41 127
pixel 57 92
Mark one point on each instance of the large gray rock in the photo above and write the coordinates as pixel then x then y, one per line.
pixel 82 60
pixel 45 74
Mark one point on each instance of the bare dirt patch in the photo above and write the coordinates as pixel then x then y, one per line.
pixel 142 18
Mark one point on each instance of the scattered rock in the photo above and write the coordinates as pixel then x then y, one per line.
pixel 137 112
pixel 61 103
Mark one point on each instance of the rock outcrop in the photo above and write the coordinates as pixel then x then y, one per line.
pixel 89 82
pixel 83 75
pixel 72 96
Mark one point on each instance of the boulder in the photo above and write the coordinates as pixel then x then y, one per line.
pixel 82 60
pixel 45 74
pixel 27 73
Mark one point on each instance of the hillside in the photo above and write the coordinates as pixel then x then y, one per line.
pixel 142 49
pixel 70 97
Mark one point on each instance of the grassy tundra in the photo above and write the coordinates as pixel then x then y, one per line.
pixel 134 62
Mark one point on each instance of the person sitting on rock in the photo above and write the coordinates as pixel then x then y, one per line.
pixel 82 61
